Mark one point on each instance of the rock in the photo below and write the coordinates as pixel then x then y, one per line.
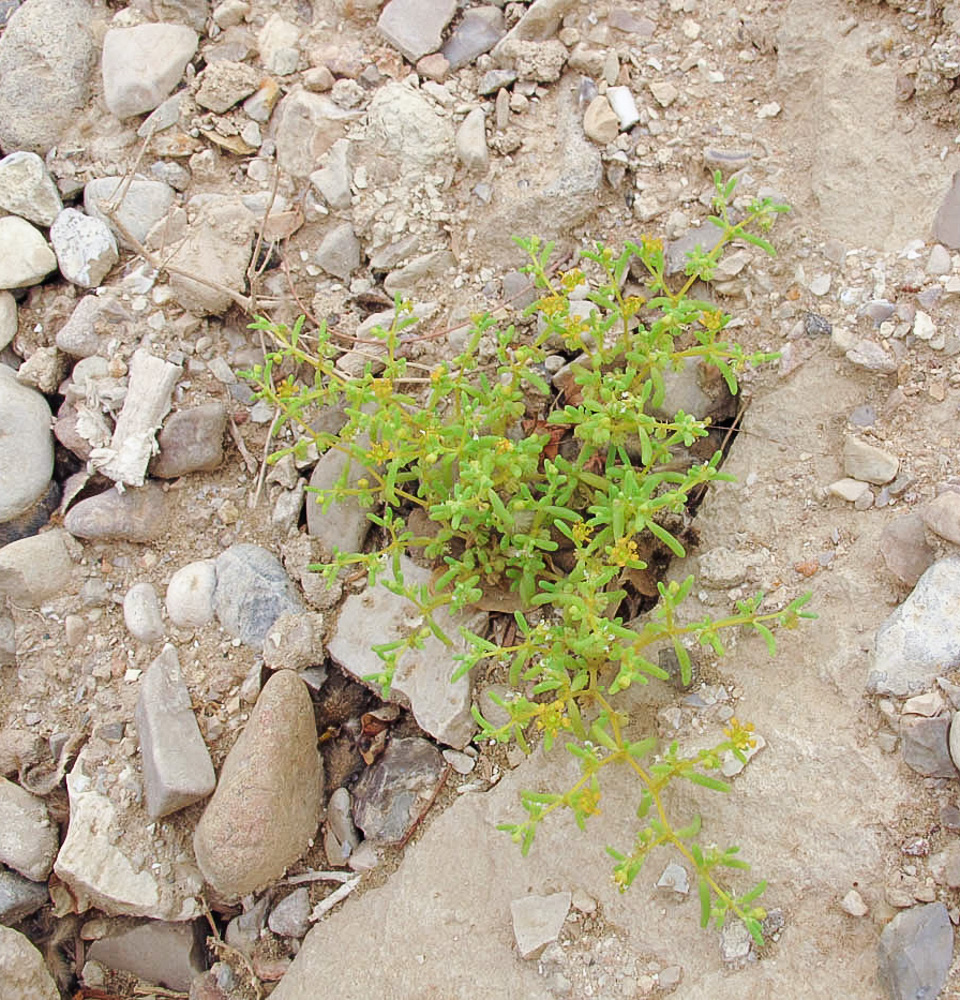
pixel 142 65
pixel 23 972
pixel 47 54
pixel 340 838
pixel 392 794
pixel 190 594
pixel 92 317
pixel 19 897
pixel 294 642
pixel 253 591
pixel 903 545
pixel 624 105
pixel 28 840
pixel 25 257
pixel 724 567
pixel 307 125
pixel 422 680
pixel 415 27
pixel 272 778
pixel 38 568
pixel 141 613
pixel 939 260
pixel 471 142
pixel 165 954
pixel 136 515
pixel 8 319
pixel 704 237
pixel 177 770
pixel 664 92
pixel 735 942
pixel 344 526
pixel 26 446
pixel 85 248
pixel 144 203
pixel 946 223
pixel 853 904
pixel 495 80
pixel 537 921
pixel 217 247
pixel 868 463
pixel 479 30
pixel 540 21
pixel 339 251
pixel 291 916
pixel 600 122
pixel 675 878
pixel 279 43
pixel 333 179
pixel 851 490
pixel 919 640
pixel 869 355
pixel 924 746
pixel 45 369
pixel 420 271
pixel 225 83
pixel 27 189
pixel 916 951
pixel 942 516
pixel 191 441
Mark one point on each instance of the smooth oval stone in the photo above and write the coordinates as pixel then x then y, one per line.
pixel 136 515
pixel 190 594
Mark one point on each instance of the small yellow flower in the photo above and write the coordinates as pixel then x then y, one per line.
pixel 383 388
pixel 651 244
pixel 552 304
pixel 623 553
pixel 381 452
pixel 553 717
pixel 571 279
pixel 581 533
pixel 503 446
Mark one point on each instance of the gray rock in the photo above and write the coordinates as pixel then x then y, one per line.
pixel 26 446
pixel 243 931
pixel 307 125
pixel 903 545
pixel 946 223
pixel 8 319
pixel 177 770
pixel 916 952
pixel 93 317
pixel 344 526
pixel 939 261
pixel 868 463
pixel 8 641
pixel 19 897
pixel 953 740
pixel 291 916
pixel 924 746
pixel 294 642
pixel 136 515
pixel 191 441
pixel 392 794
pixel 419 272
pixel 472 142
pixel 675 878
pixel 279 44
pixel 333 179
pixel 85 248
pixel 339 251
pixel 415 27
pixel 141 613
pixel 28 840
pixel 47 54
pixel 942 516
pixel 191 12
pixel 869 355
pixel 736 942
pixel 272 779
pixel 225 83
pixel 166 954
pixel 340 837
pixel 537 921
pixel 25 257
pixel 45 369
pixel 253 591
pixel 919 640
pixel 27 189
pixel 422 681
pixel 38 568
pixel 142 65
pixel 190 594
pixel 144 203
pixel 23 972
pixel 705 236
pixel 540 22
pixel 479 30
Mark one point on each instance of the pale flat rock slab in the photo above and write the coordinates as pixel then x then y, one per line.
pixel 167 954
pixel 28 840
pixel 25 256
pixel 538 920
pixel 306 127
pixel 28 190
pixel 916 952
pixel 415 27
pixel 422 681
pixel 23 972
pixel 142 204
pixel 867 462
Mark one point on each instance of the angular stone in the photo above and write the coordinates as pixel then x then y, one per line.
pixel 225 83
pixel 136 515
pixel 868 463
pixel 537 921
pixel 28 190
pixel 279 44
pixel 924 746
pixel 540 21
pixel 415 27
pixel 26 446
pixel 848 489
pixel 339 251
pixel 479 30
pixel 472 142
pixel 141 613
pixel 294 642
pixel 265 810
pixel 946 223
pixel 253 591
pixel 420 271
pixel 704 237
pixel 85 248
pixel 191 441
pixel 344 526
pixel 422 681
pixel 143 204
pixel 307 125
pixel 291 916
pixel 903 545
pixel 333 179
pixel 942 516
pixel 19 897
pixel 28 840
pixel 92 317
pixel 600 123
pixel 624 105
pixel 165 954
pixel 920 640
pixel 916 952
pixel 142 65
pixel 23 972
pixel 25 257
pixel 38 568
pixel 392 794
pixel 190 594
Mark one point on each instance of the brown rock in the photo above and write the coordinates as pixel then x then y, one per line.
pixel 942 516
pixel 136 515
pixel 904 548
pixel 191 441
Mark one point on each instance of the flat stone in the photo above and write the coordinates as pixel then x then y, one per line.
pixel 736 942
pixel 136 515
pixel 225 83
pixel 191 441
pixel 916 952
pixel 141 613
pixel 26 446
pixel 540 21
pixel 85 248
pixel 294 642
pixel 38 568
pixel 23 972
pixel 279 44
pixel 339 251
pixel 848 489
pixel 93 317
pixel 704 237
pixel 190 592
pixel 942 516
pixel 28 190
pixel 479 30
pixel 265 810
pixel 495 80
pixel 19 897
pixel 253 591
pixel 946 223
pixel 419 272
pixel 869 355
pixel 142 65
pixel 920 640
pixel 472 142
pixel 664 92
pixel 306 126
pixel 939 261
pixel 868 463
pixel 291 916
pixel 28 840
pixel 537 921
pixel 415 27
pixel 47 56
pixel 165 954
pixel 25 257
pixel 144 203
pixel 924 746
pixel 391 794
pixel 177 770
pixel 675 878
pixel 344 526
pixel 333 179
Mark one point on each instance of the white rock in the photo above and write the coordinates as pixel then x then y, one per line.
pixel 23 972
pixel 472 142
pixel 28 840
pixel 143 203
pixel 624 105
pixel 190 594
pixel 279 43
pixel 25 257
pixel 141 613
pixel 923 326
pixel 538 920
pixel 848 489
pixel 85 248
pixel 853 904
pixel 27 189
pixel 8 319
